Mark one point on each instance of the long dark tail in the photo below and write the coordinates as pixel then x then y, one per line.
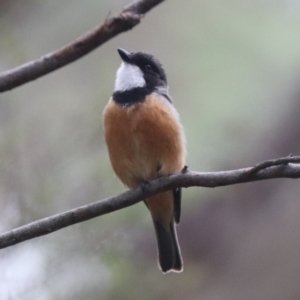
pixel 169 256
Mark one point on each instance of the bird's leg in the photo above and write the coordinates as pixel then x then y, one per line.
pixel 144 185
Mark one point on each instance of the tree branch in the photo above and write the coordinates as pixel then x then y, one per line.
pixel 129 17
pixel 277 168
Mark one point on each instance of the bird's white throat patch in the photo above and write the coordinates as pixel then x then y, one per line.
pixel 129 77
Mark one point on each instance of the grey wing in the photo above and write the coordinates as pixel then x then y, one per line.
pixel 163 91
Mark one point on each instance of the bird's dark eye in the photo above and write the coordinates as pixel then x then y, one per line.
pixel 148 68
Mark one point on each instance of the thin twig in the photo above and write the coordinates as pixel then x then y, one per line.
pixel 129 17
pixel 277 168
pixel 273 162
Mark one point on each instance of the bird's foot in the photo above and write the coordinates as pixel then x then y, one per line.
pixel 144 185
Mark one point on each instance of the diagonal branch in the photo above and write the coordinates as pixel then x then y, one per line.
pixel 277 168
pixel 129 17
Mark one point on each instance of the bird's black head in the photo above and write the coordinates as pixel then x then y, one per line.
pixel 139 70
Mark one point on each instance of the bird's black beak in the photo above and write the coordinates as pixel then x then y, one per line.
pixel 124 55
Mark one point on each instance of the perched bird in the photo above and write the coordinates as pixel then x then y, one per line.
pixel 145 140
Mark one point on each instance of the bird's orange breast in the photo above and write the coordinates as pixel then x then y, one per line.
pixel 144 140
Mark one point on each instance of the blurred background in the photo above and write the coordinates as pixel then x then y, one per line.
pixel 233 69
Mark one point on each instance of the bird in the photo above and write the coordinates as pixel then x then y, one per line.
pixel 145 141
